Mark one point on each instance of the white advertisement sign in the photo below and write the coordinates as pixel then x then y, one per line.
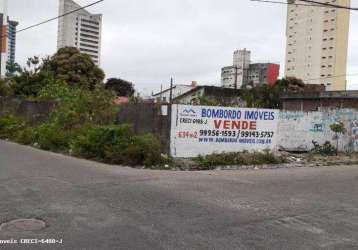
pixel 203 130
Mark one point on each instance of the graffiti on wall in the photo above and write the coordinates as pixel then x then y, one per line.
pixel 297 130
pixel 204 130
pixel 353 132
pixel 318 128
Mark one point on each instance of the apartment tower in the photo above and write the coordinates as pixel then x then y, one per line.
pixel 80 29
pixel 8 38
pixel 234 76
pixel 243 72
pixel 317 43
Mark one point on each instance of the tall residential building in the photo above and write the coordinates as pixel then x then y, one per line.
pixel 11 45
pixel 80 29
pixel 244 72
pixel 8 38
pixel 317 43
pixel 234 76
pixel 242 58
pixel 3 40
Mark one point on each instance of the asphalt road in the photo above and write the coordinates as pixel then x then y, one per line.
pixel 95 206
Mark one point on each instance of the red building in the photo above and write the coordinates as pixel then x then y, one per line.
pixel 263 73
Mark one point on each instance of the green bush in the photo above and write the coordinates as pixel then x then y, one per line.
pixel 117 144
pixel 96 142
pixel 51 137
pixel 5 89
pixel 10 126
pixel 26 136
pixel 144 150
pixel 239 159
pixel 326 149
pixel 77 107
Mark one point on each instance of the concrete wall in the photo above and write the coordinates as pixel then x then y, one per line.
pixel 318 104
pixel 148 118
pixel 297 130
pixel 33 112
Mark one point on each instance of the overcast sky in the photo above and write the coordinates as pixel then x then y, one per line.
pixel 148 41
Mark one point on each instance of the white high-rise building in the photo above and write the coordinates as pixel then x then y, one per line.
pixel 234 76
pixel 242 58
pixel 243 72
pixel 80 29
pixel 317 43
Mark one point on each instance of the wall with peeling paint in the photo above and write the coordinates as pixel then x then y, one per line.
pixel 297 130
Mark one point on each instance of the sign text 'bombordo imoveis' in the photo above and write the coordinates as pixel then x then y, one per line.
pixel 202 130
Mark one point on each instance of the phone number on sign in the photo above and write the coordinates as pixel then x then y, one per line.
pixel 237 134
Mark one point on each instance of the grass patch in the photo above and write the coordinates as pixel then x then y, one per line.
pixel 239 159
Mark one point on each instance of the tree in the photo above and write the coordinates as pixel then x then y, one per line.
pixel 338 129
pixel 67 66
pixel 5 89
pixel 77 69
pixel 266 96
pixel 31 79
pixel 120 86
pixel 12 69
pixel 263 96
pixel 290 84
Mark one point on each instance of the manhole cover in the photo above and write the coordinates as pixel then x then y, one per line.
pixel 23 225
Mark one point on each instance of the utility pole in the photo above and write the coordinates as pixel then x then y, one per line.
pixel 169 117
pixel 243 70
pixel 235 76
pixel 171 91
pixel 161 94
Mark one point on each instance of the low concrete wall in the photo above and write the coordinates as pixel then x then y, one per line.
pixel 297 130
pixel 148 118
pixel 34 112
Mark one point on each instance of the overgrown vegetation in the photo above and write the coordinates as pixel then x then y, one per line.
pixel 326 149
pixel 338 129
pixel 16 129
pixel 120 87
pixel 5 89
pixel 241 159
pixel 266 96
pixel 83 122
pixel 118 144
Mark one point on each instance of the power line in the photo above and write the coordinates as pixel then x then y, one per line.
pixel 286 3
pixel 330 5
pixel 55 18
pixel 319 5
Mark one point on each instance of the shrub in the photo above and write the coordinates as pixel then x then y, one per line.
pixel 10 125
pixel 117 144
pixel 325 149
pixel 144 150
pixel 5 89
pixel 97 142
pixel 26 136
pixel 240 159
pixel 77 107
pixel 50 137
